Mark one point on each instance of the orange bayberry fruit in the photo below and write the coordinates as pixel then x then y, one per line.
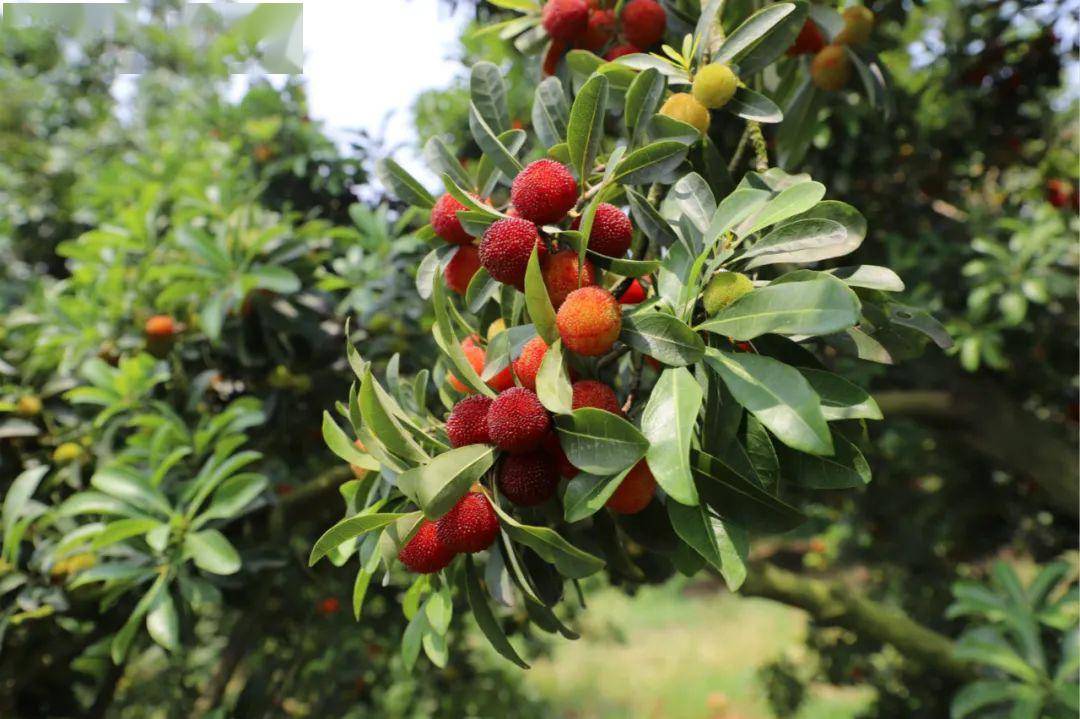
pixel 461 268
pixel 611 231
pixel 809 42
pixel 858 24
pixel 506 247
pixel 516 421
pixel 425 553
pixel 160 327
pixel 643 22
pixel 831 68
pixel 445 222
pixel 565 19
pixel 467 423
pixel 528 363
pixel 561 275
pixel 635 491
pixel 474 353
pixel 590 393
pixel 544 191
pixel 470 526
pixel 589 321
pixel 528 479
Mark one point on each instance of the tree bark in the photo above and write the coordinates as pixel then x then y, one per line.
pixel 835 604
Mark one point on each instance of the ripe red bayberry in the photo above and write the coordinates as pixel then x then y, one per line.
pixel 599 31
pixel 589 321
pixel 643 22
pixel 528 479
pixel 590 393
pixel 467 423
pixel 474 353
pixel 561 275
pixel 445 222
pixel 506 247
pixel 544 192
pixel 619 50
pixel 425 553
pixel 553 447
pixel 565 19
pixel 809 42
pixel 611 231
pixel 516 421
pixel 461 268
pixel 160 327
pixel 633 294
pixel 470 526
pixel 635 491
pixel 528 363
pixel 550 66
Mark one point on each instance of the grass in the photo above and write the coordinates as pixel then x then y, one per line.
pixel 678 651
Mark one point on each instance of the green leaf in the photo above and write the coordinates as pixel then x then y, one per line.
pixel 981 694
pixel 642 101
pixel 343 447
pixel 775 43
pixel 752 31
pixel 18 494
pixel 232 497
pixel 212 552
pixel 443 332
pixel 692 199
pixel 488 94
pixel 587 493
pixel 733 211
pixel 788 203
pixel 404 186
pixel 121 641
pixel 162 622
pixel 550 112
pixel 920 321
pixel 808 308
pixel 126 485
pixel 841 399
pixel 491 145
pixel 482 287
pixel 552 548
pixel 600 442
pixel 537 301
pixel 123 529
pixel 723 546
pixel 708 21
pixel 668 423
pixel 799 242
pixel 379 418
pixel 443 481
pixel 485 619
pixel 553 381
pixel 844 469
pixel 778 396
pixel 350 528
pixel 985 645
pixel 649 221
pixel 664 337
pixel 444 162
pixel 618 265
pixel 753 106
pixel 652 163
pixel 585 129
pixel 739 499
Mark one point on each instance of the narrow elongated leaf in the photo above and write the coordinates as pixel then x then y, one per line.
pixel 537 301
pixel 921 321
pixel 691 198
pixel 846 468
pixel 743 38
pixel 841 399
pixel 649 221
pixel 587 493
pixel 443 481
pixel 707 22
pixel 553 381
pixel 774 43
pixel 379 418
pixel 642 101
pixel 723 545
pixel 600 442
pixel 350 528
pixel 751 105
pixel 871 277
pixel 798 242
pixel 212 552
pixel 778 396
pixel 788 203
pixel 340 444
pixel 807 308
pixel 18 494
pixel 121 642
pixel 445 162
pixel 487 90
pixel 552 548
pixel 652 163
pixel 443 331
pixel 491 145
pixel 664 337
pixel 485 619
pixel 162 622
pixel 404 186
pixel 550 112
pixel 585 129
pixel 739 499
pixel 123 529
pixel 668 423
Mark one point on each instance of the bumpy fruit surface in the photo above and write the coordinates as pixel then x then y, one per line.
pixel 467 423
pixel 684 107
pixel 591 393
pixel 445 222
pixel 809 41
pixel 528 479
pixel 528 363
pixel 28 406
pixel 633 294
pixel 554 450
pixel 160 327
pixel 544 191
pixel 831 68
pixel 715 85
pixel 470 526
pixel 620 50
pixel 589 321
pixel 600 30
pixel 516 421
pixel 565 19
pixel 723 289
pixel 858 24
pixel 561 275
pixel 506 247
pixel 643 22
pixel 461 268
pixel 474 353
pixel 425 553
pixel 634 492
pixel 611 231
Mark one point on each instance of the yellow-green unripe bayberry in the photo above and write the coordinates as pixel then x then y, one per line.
pixel 683 107
pixel 723 289
pixel 715 85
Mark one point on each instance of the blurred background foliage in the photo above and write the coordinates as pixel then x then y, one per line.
pixel 125 198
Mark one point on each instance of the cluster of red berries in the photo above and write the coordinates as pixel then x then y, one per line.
pixel 470 526
pixel 590 25
pixel 1060 193
pixel 831 68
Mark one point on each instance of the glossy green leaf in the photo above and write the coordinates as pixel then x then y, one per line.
pixel 844 469
pixel 537 301
pixel 491 145
pixel 642 101
pixel 350 528
pixel 487 91
pixel 587 493
pixel 652 163
pixel 807 308
pixel 443 481
pixel 664 337
pixel 668 423
pixel 841 399
pixel 723 545
pixel 756 27
pixel 740 499
pixel 585 129
pixel 340 444
pixel 553 381
pixel 403 185
pixel 552 548
pixel 550 112
pixel 212 552
pixel 485 619
pixel 600 442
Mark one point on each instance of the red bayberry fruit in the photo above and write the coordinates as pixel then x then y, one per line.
pixel 643 22
pixel 600 30
pixel 553 447
pixel 467 423
pixel 633 294
pixel 554 53
pixel 528 363
pixel 445 222
pixel 635 491
pixel 328 606
pixel 561 276
pixel 590 393
pixel 620 50
pixel 565 19
pixel 474 353
pixel 506 247
pixel 470 526
pixel 611 231
pixel 461 268
pixel 544 191
pixel 589 321
pixel 516 421
pixel 809 41
pixel 425 553
pixel 528 479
